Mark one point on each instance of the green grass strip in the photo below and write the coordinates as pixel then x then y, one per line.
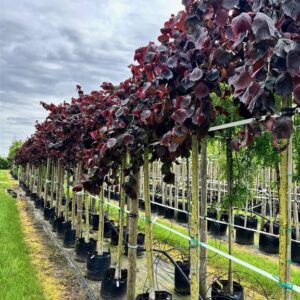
pixel 17 275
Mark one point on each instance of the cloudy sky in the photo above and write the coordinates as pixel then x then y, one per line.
pixel 49 46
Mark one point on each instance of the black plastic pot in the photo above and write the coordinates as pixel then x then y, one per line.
pixel 47 213
pixel 38 203
pixel 63 201
pixel 108 227
pixel 269 243
pixel 69 238
pixel 181 286
pixel 160 210
pixel 61 228
pixel 153 207
pixel 218 228
pixel 83 249
pixel 95 222
pixel 97 265
pixel 244 236
pixel 57 222
pixel 219 291
pixel 33 196
pixel 169 213
pixel 211 213
pixel 159 295
pixel 295 252
pixel 182 217
pixel 141 204
pixel 140 244
pixel 110 289
pixel 114 235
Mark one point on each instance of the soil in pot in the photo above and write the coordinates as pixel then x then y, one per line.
pixel 97 265
pixel 244 236
pixel 181 286
pixel 69 238
pixel 83 249
pixel 219 228
pixel 112 288
pixel 140 244
pixel 159 295
pixel 61 228
pixel 219 291
pixel 269 243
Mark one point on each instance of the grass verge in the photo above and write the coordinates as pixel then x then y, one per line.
pixel 17 276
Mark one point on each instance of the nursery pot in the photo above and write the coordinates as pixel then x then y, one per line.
pixel 97 265
pixel 141 204
pixel 295 252
pixel 95 222
pixel 219 291
pixel 69 238
pixel 211 213
pixel 218 228
pixel 244 236
pixel 114 235
pixel 57 222
pixel 83 249
pixel 110 288
pixel 140 244
pixel 269 243
pixel 108 227
pixel 181 286
pixel 153 207
pixel 33 196
pixel 61 228
pixel 47 213
pixel 159 295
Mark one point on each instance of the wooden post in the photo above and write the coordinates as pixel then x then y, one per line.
pixel 203 222
pixel 194 249
pixel 132 240
pixel 148 227
pixel 121 219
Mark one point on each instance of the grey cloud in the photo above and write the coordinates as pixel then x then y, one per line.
pixel 47 47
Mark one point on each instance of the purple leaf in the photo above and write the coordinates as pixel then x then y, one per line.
pixel 128 138
pixel 221 18
pixel 145 114
pixel 291 8
pixel 111 143
pixel 172 61
pixel 284 84
pixel 241 23
pixel 196 74
pixel 263 27
pixel 165 141
pixel 179 116
pixel 201 90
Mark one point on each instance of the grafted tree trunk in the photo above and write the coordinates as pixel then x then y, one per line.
pixel 132 240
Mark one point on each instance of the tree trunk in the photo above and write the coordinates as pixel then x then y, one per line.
pixel 132 241
pixel 194 249
pixel 148 227
pixel 203 222
pixel 121 219
pixel 101 224
pixel 284 233
pixel 229 179
pixel 46 187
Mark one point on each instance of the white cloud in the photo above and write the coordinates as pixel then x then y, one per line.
pixel 47 47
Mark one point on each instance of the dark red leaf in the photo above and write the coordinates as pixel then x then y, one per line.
pixel 241 23
pixel 165 141
pixel 128 138
pixel 201 90
pixel 221 17
pixel 179 116
pixel 263 27
pixel 111 143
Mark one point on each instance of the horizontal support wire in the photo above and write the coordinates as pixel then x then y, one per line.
pixel 272 277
